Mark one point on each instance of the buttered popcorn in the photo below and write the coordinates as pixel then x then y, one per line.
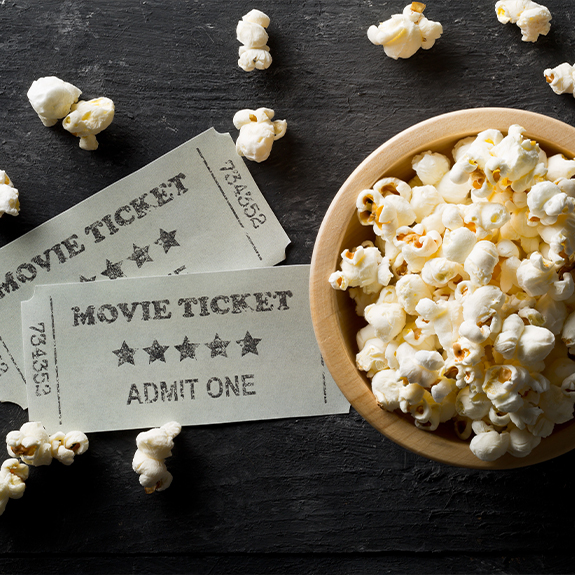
pixel 533 19
pixel 404 34
pixel 468 291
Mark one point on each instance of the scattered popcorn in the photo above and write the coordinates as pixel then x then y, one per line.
pixel 64 446
pixel 88 118
pixel 154 446
pixel 251 32
pixel 9 202
pixel 532 18
pixel 467 291
pixel 560 78
pixel 13 474
pixel 359 268
pixel 257 133
pixel 32 444
pixel 52 98
pixel 404 34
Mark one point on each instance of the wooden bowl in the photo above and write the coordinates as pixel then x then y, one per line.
pixel 333 315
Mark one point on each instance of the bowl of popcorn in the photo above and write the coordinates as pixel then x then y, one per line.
pixel 442 293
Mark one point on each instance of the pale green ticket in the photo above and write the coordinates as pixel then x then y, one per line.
pixel 198 348
pixel 195 209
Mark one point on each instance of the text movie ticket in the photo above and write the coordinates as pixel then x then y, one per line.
pixel 195 209
pixel 198 349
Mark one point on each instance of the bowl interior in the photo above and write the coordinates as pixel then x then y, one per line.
pixel 333 311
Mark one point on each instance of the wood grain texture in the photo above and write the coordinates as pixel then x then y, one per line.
pixel 309 495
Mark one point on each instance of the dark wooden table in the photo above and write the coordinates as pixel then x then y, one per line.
pixel 317 495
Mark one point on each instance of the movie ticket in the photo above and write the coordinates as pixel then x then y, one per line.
pixel 197 348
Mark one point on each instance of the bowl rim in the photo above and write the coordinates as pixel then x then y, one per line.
pixel 323 302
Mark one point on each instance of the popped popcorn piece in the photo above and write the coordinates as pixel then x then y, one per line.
pixel 440 271
pixel 560 237
pixel 52 98
pixel 87 119
pixel 388 319
pixel 385 386
pixel 481 262
pixel 533 19
pixel 536 275
pixel 418 366
pixel 481 314
pixel 154 446
pixel 557 408
pixel 546 202
pixel 251 32
pixel 471 158
pixel 534 345
pixel 472 405
pixel 560 79
pixel 13 474
pixel 393 186
pixel 507 340
pixel 560 168
pixel 254 58
pixel 430 167
pixel 359 268
pixel 251 29
pixel 521 442
pixel 453 192
pixel 403 34
pixel 489 216
pixel 457 244
pixel 257 133
pixel 488 444
pixel 31 443
pixel 410 290
pixel 439 317
pixel 65 446
pixel 515 162
pixel 9 202
pixel 424 199
pixel 416 245
pixel 371 357
pixel 394 212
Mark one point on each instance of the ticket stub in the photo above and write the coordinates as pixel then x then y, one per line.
pixel 195 209
pixel 197 348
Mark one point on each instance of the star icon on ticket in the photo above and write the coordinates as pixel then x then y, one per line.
pixel 156 351
pixel 249 344
pixel 140 255
pixel 125 354
pixel 167 240
pixel 187 349
pixel 113 271
pixel 218 346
